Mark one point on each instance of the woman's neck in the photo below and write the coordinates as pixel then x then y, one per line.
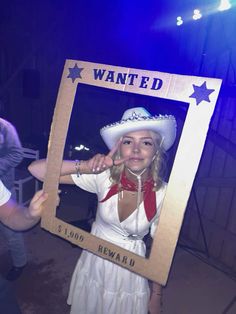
pixel 135 176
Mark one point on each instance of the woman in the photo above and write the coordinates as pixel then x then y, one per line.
pixel 130 193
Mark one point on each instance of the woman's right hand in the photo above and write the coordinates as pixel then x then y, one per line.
pixel 101 162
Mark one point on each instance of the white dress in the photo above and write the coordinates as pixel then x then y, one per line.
pixel 99 286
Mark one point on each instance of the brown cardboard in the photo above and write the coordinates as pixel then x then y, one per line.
pixel 200 92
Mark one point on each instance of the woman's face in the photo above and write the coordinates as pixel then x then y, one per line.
pixel 139 148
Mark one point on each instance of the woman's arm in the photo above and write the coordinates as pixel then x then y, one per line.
pixel 38 169
pixel 155 303
pixel 96 164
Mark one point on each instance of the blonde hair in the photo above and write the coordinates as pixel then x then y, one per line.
pixel 157 167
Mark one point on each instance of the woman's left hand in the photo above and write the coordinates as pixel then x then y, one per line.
pixel 155 302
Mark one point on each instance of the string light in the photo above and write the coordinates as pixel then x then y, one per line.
pixel 196 14
pixel 179 21
pixel 81 147
pixel 224 5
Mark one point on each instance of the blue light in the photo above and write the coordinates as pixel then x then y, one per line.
pixel 179 21
pixel 81 147
pixel 196 14
pixel 224 5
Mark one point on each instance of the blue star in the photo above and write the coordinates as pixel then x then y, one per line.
pixel 75 73
pixel 201 93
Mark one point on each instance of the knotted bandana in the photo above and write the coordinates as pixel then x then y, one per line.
pixel 149 196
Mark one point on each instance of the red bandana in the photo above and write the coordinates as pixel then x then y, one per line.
pixel 149 195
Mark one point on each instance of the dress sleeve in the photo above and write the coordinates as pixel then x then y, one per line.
pixel 159 200
pixel 91 182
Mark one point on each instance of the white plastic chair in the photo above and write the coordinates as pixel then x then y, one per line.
pixel 25 184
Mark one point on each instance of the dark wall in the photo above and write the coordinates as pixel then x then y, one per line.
pixel 37 36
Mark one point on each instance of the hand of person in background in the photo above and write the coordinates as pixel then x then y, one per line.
pixel 17 217
pixel 36 204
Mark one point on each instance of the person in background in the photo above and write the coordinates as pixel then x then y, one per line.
pixel 11 155
pixel 130 192
pixel 18 218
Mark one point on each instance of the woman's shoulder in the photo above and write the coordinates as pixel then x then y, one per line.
pixel 160 193
pixel 92 177
pixel 163 186
pixel 93 182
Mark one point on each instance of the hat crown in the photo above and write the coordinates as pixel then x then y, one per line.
pixel 135 113
pixel 136 119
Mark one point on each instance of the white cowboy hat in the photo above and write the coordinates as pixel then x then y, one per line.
pixel 136 119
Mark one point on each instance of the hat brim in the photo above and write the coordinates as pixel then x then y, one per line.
pixel 165 126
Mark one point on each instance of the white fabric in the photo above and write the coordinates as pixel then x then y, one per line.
pixel 4 194
pixel 136 119
pixel 99 286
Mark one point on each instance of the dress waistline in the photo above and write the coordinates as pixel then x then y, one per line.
pixel 113 236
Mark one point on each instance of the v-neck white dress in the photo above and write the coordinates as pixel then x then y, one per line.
pixel 99 286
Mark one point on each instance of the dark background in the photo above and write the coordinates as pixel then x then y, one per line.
pixel 37 36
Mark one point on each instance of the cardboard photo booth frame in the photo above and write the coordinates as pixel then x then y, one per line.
pixel 200 93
